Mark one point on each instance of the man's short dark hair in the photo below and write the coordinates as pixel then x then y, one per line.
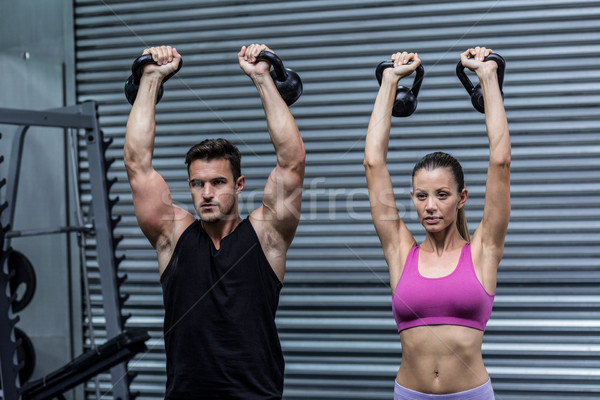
pixel 211 149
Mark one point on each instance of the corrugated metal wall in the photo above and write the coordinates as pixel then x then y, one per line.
pixel 335 319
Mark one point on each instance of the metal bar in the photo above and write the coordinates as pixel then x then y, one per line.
pixel 12 181
pixel 72 153
pixel 76 109
pixel 48 231
pixel 81 117
pixel 105 248
pixel 9 376
pixel 116 350
pixel 45 118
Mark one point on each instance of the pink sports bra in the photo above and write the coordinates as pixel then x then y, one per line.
pixel 455 299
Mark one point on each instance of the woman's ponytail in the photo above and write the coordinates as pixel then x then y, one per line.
pixel 461 224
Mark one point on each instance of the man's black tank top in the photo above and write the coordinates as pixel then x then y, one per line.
pixel 220 335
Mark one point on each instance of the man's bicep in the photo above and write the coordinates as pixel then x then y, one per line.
pixel 153 205
pixel 282 200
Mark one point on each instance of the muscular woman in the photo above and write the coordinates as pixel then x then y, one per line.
pixel 443 288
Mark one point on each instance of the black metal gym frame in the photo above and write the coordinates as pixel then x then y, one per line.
pixel 83 116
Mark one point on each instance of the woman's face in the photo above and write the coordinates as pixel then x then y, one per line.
pixel 436 198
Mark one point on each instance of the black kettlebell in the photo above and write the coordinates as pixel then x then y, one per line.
pixel 475 91
pixel 132 84
pixel 288 82
pixel 406 99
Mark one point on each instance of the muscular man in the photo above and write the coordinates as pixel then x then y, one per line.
pixel 221 275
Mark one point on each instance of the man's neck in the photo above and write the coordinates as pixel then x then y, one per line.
pixel 219 229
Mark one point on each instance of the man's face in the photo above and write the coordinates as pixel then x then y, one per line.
pixel 214 191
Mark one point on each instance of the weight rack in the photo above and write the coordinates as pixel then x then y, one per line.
pixel 83 116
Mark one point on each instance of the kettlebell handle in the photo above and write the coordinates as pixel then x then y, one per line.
pixel 275 61
pixel 132 84
pixel 468 85
pixel 287 81
pixel 420 71
pixel 137 68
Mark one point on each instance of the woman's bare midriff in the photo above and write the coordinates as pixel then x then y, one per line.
pixel 441 359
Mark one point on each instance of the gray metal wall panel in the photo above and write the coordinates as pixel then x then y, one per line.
pixel 335 318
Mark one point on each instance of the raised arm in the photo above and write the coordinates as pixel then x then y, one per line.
pixel 489 236
pixel 393 234
pixel 156 214
pixel 277 219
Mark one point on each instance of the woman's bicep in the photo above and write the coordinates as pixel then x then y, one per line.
pixel 496 212
pixel 389 226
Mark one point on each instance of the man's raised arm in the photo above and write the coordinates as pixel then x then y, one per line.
pixel 152 202
pixel 277 219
